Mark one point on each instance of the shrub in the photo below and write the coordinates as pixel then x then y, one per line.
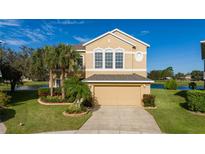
pixel 4 99
pixel 53 99
pixel 171 85
pixel 149 100
pixel 196 100
pixel 43 92
pixel 75 109
pixel 46 92
pixel 77 91
pixel 192 85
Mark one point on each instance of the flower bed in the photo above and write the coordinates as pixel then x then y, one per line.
pixel 75 110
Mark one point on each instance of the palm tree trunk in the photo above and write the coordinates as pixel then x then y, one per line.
pixel 51 82
pixel 62 83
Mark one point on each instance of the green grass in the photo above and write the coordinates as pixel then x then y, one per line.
pixel 172 117
pixel 37 118
pixel 181 82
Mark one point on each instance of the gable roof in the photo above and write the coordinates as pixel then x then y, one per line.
pixel 120 38
pixel 111 33
pixel 130 37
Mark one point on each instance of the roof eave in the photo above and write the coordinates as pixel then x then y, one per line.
pixel 116 29
pixel 117 81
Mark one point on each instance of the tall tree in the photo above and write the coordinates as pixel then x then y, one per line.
pixel 38 68
pixel 10 67
pixel 51 59
pixel 68 58
pixel 197 75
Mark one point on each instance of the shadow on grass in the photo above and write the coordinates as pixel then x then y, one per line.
pixel 6 114
pixel 24 95
pixel 183 94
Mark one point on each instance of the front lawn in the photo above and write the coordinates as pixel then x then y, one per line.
pixel 37 118
pixel 172 117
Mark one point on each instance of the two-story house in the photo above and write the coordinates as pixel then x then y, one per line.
pixel 115 65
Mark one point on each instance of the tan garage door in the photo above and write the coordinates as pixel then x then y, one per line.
pixel 118 95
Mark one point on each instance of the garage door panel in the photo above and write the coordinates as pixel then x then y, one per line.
pixel 118 95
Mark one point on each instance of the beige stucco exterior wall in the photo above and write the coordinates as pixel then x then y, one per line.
pixel 130 64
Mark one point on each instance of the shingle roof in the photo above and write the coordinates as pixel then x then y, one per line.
pixel 117 78
pixel 78 47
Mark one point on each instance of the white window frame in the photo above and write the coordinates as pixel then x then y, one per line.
pixel 98 50
pixel 120 50
pixel 109 50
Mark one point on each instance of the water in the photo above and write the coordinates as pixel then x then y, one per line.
pixel 161 86
pixel 153 86
pixel 30 87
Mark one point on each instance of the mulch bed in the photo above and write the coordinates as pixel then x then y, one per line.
pixel 47 103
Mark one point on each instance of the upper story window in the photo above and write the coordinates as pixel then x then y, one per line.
pixel 98 60
pixel 80 63
pixel 119 60
pixel 108 60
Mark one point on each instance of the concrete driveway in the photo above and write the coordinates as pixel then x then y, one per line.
pixel 120 119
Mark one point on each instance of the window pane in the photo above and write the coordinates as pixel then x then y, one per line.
pixel 108 60
pixel 80 62
pixel 98 60
pixel 118 60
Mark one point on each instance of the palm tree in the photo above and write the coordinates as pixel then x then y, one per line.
pixel 77 89
pixel 68 58
pixel 51 59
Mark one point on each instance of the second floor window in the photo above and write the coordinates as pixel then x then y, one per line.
pixel 108 60
pixel 80 63
pixel 118 60
pixel 98 60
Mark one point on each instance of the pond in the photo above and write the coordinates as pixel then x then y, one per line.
pixel 30 87
pixel 161 86
pixel 153 86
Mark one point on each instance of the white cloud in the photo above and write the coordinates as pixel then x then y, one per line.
pixel 35 35
pixel 144 32
pixel 15 42
pixel 13 23
pixel 70 22
pixel 81 39
pixel 48 28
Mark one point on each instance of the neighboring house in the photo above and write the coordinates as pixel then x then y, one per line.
pixel 187 77
pixel 115 65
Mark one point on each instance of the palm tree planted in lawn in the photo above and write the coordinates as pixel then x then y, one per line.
pixel 68 58
pixel 51 59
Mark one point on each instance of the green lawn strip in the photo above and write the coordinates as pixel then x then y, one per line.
pixel 181 82
pixel 172 117
pixel 38 118
pixel 36 83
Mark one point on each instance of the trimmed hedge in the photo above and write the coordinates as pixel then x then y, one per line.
pixel 149 100
pixel 196 100
pixel 171 84
pixel 46 92
pixel 53 99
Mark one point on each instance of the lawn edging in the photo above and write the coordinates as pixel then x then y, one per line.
pixel 47 103
pixel 151 108
pixel 74 114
